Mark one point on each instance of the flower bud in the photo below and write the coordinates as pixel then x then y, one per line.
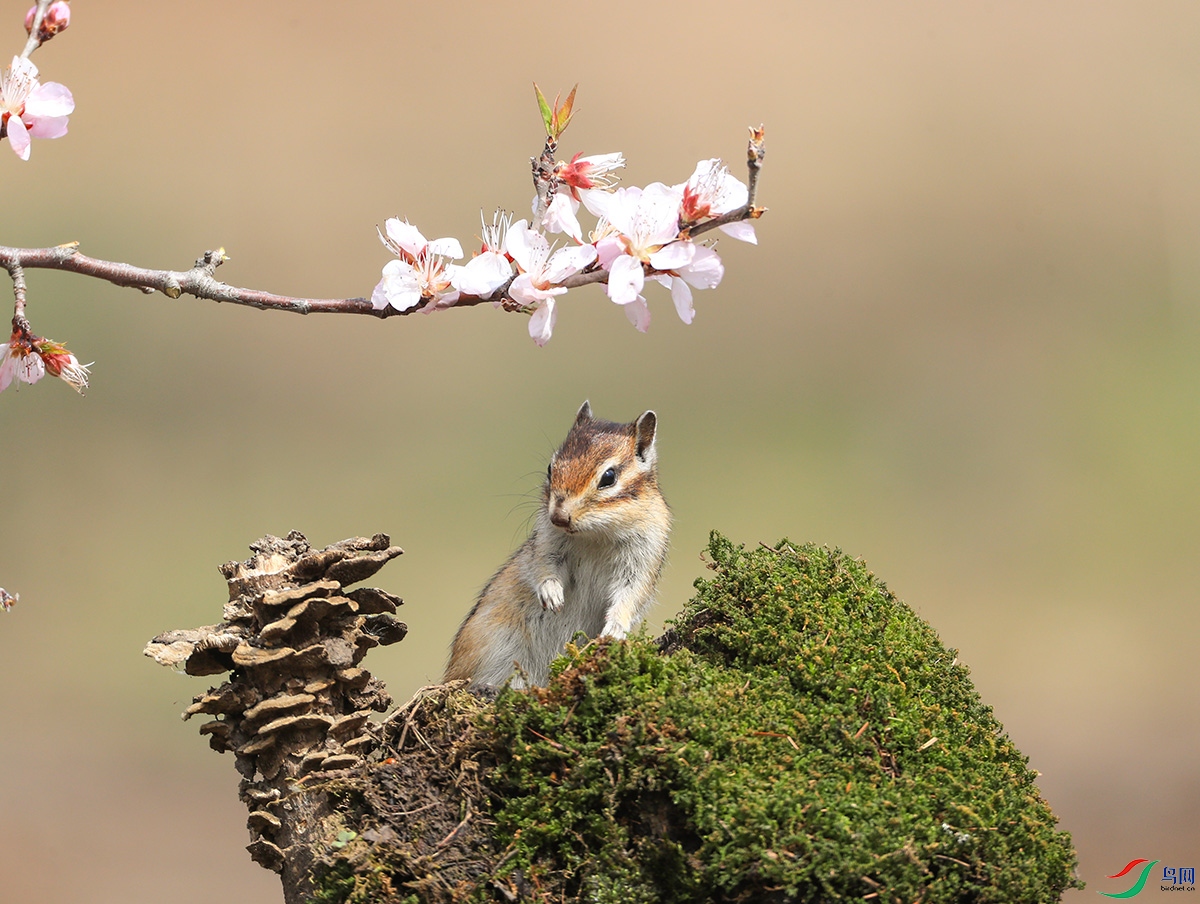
pixel 56 19
pixel 62 364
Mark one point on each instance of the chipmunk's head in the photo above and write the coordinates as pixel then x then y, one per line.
pixel 602 474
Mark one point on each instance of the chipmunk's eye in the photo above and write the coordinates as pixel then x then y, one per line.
pixel 550 470
pixel 608 478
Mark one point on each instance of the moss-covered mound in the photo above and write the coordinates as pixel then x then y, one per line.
pixel 800 735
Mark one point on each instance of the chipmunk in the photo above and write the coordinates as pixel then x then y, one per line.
pixel 591 563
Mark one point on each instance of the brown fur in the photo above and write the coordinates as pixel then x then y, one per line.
pixel 591 564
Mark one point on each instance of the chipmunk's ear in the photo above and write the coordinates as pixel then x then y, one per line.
pixel 585 412
pixel 643 433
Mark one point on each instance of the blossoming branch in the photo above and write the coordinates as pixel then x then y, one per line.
pixel 640 235
pixel 29 108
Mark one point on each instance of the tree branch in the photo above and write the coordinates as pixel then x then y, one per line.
pixel 200 280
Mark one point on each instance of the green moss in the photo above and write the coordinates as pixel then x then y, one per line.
pixel 800 735
pixel 805 738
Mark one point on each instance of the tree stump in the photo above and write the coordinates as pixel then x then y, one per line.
pixel 799 735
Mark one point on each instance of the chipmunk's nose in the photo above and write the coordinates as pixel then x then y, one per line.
pixel 560 515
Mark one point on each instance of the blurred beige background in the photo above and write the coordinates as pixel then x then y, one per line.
pixel 966 349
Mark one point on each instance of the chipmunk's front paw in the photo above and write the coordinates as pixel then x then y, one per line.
pixel 614 629
pixel 550 594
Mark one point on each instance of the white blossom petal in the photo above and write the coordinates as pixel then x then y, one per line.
pixel 400 287
pixel 567 261
pixel 638 313
pixel 482 275
pixel 673 256
pixel 18 137
pixel 524 291
pixel 682 296
pixel 23 69
pixel 379 299
pixel 405 235
pixel 30 368
pixel 604 163
pixel 49 100
pixel 625 279
pixel 541 324
pixel 49 127
pixel 447 247
pixel 522 243
pixel 607 250
pixel 440 302
pixel 658 214
pixel 742 230
pixel 705 271
pixel 618 207
pixel 561 216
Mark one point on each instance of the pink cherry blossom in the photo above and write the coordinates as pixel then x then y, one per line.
pixel 20 361
pixel 490 268
pixel 8 600
pixel 712 191
pixel 405 285
pixel 646 226
pixel 62 364
pixel 405 240
pixel 581 176
pixel 542 269
pixel 27 358
pixel 29 109
pixel 589 172
pixel 421 271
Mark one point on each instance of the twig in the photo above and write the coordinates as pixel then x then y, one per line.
pixel 553 743
pixel 458 828
pixel 417 810
pixel 952 860
pixel 35 40
pixel 199 281
pixel 544 181
pixel 776 734
pixel 17 272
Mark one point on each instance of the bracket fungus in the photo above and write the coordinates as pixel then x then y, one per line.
pixel 295 702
